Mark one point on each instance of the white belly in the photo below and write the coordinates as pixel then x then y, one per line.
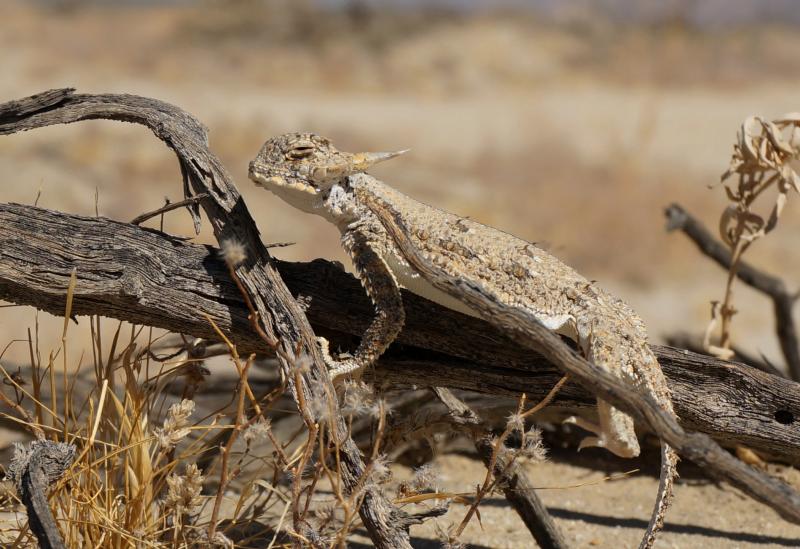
pixel 563 324
pixel 416 284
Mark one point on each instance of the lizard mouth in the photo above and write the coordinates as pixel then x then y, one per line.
pixel 262 178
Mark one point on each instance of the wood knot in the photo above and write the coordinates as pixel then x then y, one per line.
pixel 784 417
pixel 131 286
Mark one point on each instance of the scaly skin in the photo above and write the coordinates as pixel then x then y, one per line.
pixel 309 173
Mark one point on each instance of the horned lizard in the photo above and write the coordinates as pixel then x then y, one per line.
pixel 309 173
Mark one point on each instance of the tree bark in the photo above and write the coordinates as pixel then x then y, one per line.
pixel 34 468
pixel 151 278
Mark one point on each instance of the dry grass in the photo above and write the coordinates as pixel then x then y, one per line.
pixel 153 470
pixel 135 482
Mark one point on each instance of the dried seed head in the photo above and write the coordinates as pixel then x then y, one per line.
pixel 183 493
pixel 533 446
pixel 176 424
pixel 257 431
pixel 516 422
pixel 425 477
pixel 320 407
pixel 301 364
pixel 380 469
pixel 358 399
pixel 233 252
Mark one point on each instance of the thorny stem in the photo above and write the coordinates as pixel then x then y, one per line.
pixel 168 207
pixel 29 422
pixel 35 375
pixel 297 516
pixel 490 479
pixel 487 481
pixel 237 362
pixel 357 492
pixel 334 479
pixel 226 450
pixel 32 423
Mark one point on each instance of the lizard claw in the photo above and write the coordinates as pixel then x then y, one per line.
pixel 591 442
pixel 588 442
pixel 583 424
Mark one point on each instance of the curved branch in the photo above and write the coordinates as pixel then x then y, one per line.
pixel 281 317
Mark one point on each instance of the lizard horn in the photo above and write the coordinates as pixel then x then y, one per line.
pixel 350 164
pixel 362 161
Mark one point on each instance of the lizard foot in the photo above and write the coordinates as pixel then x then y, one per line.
pixel 591 442
pixel 336 368
pixel 584 424
pixel 621 445
pixel 588 442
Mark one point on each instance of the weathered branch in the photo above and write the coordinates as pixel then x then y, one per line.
pixel 280 317
pixel 530 333
pixel 694 343
pixel 782 299
pixel 150 278
pixel 34 469
pixel 284 322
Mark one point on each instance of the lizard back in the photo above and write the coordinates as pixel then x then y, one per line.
pixel 522 275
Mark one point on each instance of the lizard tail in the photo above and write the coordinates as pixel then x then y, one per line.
pixel 669 462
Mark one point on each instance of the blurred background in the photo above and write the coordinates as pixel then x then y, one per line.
pixel 569 123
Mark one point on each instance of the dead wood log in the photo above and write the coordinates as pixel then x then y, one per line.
pixel 147 277
pixel 283 323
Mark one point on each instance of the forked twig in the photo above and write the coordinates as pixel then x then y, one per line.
pixel 782 299
pixel 168 207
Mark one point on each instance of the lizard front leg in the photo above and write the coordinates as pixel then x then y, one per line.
pixel 384 291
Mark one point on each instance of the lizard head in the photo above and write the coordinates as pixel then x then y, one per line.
pixel 302 168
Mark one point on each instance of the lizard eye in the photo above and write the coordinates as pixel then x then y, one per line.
pixel 301 151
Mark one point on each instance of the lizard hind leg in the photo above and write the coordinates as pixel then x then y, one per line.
pixel 615 431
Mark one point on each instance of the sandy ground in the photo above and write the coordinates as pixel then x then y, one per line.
pixel 609 514
pixel 576 145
